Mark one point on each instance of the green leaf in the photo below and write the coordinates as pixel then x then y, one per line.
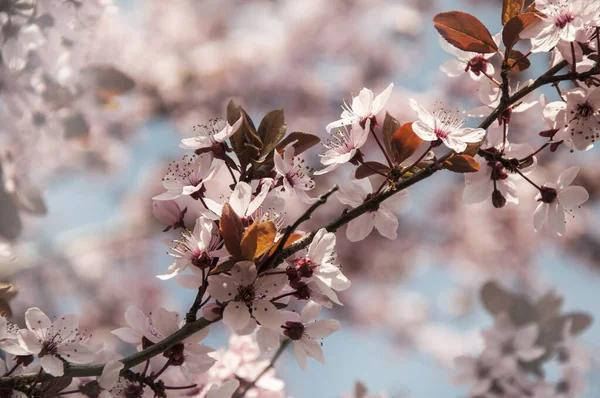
pixel 223 267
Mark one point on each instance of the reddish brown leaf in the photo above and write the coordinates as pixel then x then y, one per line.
pixel 496 299
pixel 257 239
pixel 514 27
pixel 473 148
pixel 303 141
pixel 232 230
pixel 517 61
pixel 510 9
pixel 366 169
pixel 289 241
pixel 405 142
pixel 464 31
pixel 390 126
pixel 461 164
pixel 271 130
pixel 223 267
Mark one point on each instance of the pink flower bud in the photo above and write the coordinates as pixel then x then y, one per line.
pixel 212 311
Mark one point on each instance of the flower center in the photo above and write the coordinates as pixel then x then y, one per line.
pixel 293 330
pixel 439 132
pixel 560 21
pixel 247 293
pixel 48 348
pixel 305 267
pixel 585 110
pixel 549 195
pixel 133 391
pixel 477 65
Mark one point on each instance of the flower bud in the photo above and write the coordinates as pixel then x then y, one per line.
pixel 212 311
pixel 498 200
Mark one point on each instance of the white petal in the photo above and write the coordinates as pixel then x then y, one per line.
pixel 136 319
pixel 477 193
pixel 567 177
pixel 300 354
pixel 386 223
pixel 66 324
pixel 359 228
pixel 270 285
pixel 258 200
pixel 110 374
pixel 380 101
pixel 363 104
pixel 236 315
pixel 29 341
pixel 240 198
pixel 453 67
pixel 128 335
pixel 165 322
pixel 539 216
pixel 322 246
pixel 52 365
pixel 556 219
pixel 244 273
pixel 573 196
pixel 77 353
pixel 321 329
pixel 35 319
pixel 267 314
pixel 223 288
pixel 424 131
pixel 267 339
pixel 313 349
pixel 310 311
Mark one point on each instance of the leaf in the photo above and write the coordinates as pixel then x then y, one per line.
pixel 108 81
pixel 366 169
pixel 473 148
pixel 495 299
pixel 303 142
pixel 271 130
pixel 289 241
pixel 257 239
pixel 464 32
pixel 76 127
pixel 548 306
pixel 522 311
pixel 461 164
pixel 223 267
pixel 553 329
pixel 245 142
pixel 510 9
pixel 232 230
pixel 10 220
pixel 514 27
pixel 517 61
pixel 390 126
pixel 405 142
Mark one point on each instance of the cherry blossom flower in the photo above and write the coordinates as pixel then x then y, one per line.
pixel 481 371
pixel 344 146
pixel 107 381
pixel 139 331
pixel 511 343
pixel 197 248
pixel 571 384
pixel 561 21
pixel 317 266
pixel 247 295
pixel 493 176
pixel 444 126
pixel 475 64
pixel 570 352
pixel 241 201
pixel 294 175
pixel 383 219
pixel 578 118
pixel 305 333
pixel 187 176
pixel 8 338
pixel 556 199
pixel 188 354
pixel 490 95
pixel 213 137
pixel 363 107
pixel 125 388
pixel 55 341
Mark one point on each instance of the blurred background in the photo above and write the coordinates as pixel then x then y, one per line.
pixel 88 164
